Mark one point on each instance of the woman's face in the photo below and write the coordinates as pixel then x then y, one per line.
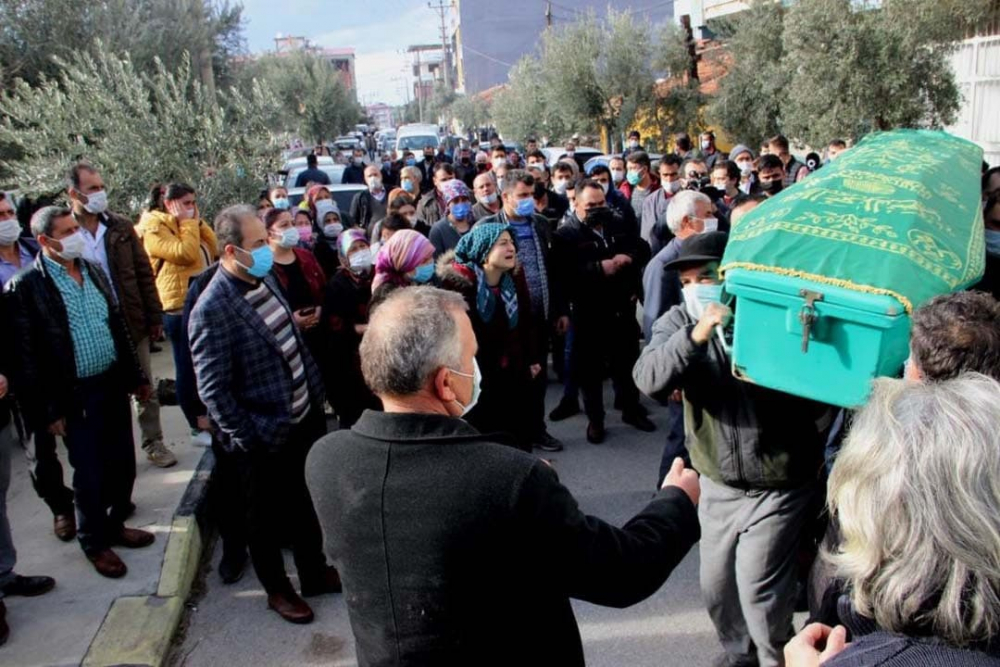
pixel 323 194
pixel 279 193
pixel 263 206
pixel 331 219
pixel 408 211
pixel 356 246
pixel 187 201
pixel 503 254
pixel 283 222
pixel 302 220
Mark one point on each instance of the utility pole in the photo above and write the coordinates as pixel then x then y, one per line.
pixel 548 14
pixel 441 7
pixel 420 89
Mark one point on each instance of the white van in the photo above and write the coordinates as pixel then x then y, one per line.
pixel 415 137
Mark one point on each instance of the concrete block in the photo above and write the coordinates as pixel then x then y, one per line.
pixel 137 632
pixel 180 561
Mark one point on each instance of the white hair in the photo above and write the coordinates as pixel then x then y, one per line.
pixel 916 490
pixel 410 336
pixel 411 172
pixel 684 205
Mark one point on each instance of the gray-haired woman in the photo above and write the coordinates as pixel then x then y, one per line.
pixel 916 490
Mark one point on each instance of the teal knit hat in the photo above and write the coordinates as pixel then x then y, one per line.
pixel 475 246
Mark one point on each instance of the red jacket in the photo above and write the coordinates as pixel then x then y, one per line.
pixel 626 188
pixel 313 274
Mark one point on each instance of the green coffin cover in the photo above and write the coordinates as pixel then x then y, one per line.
pixel 899 214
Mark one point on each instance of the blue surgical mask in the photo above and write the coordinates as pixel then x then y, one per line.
pixel 461 210
pixel 409 186
pixel 411 161
pixel 263 260
pixel 633 178
pixel 993 242
pixel 423 274
pixel 289 237
pixel 477 380
pixel 282 204
pixel 525 207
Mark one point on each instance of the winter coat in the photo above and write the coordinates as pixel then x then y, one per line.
pixel 177 250
pixel 436 532
pixel 739 434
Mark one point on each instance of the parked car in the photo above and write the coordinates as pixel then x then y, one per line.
pixel 654 158
pixel 580 155
pixel 347 143
pixel 293 168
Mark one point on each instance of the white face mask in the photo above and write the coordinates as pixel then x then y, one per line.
pixel 746 167
pixel 289 237
pixel 97 203
pixel 360 261
pixel 673 187
pixel 477 379
pixel 189 214
pixel 72 246
pixel 375 184
pixel 10 231
pixel 560 187
pixel 711 225
pixel 617 175
pixel 332 229
pixel 633 144
pixel 499 162
pixel 605 187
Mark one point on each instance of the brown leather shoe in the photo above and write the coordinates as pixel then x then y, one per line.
pixel 133 538
pixel 329 582
pixel 64 526
pixel 108 564
pixel 290 607
pixel 4 628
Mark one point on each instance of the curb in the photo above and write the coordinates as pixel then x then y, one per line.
pixel 138 630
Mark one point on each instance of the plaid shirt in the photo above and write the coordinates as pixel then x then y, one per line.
pixel 87 313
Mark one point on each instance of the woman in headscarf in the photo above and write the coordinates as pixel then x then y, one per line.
pixel 483 268
pixel 327 225
pixel 347 297
pixel 405 259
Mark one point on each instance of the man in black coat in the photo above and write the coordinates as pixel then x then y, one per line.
pixel 597 262
pixel 436 530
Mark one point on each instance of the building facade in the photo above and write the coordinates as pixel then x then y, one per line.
pixel 381 115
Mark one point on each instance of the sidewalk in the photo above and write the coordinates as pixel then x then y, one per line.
pixel 57 629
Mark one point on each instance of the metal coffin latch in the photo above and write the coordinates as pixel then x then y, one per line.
pixel 807 315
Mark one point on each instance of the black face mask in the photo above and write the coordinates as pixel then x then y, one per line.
pixel 771 188
pixel 598 217
pixel 480 167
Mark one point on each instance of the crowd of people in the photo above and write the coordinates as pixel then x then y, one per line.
pixel 423 318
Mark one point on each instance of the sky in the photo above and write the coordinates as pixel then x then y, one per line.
pixel 378 30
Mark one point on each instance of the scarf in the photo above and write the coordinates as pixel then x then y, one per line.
pixel 402 253
pixel 471 252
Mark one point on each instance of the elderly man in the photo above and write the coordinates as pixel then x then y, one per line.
pixel 371 204
pixel 76 366
pixel 436 529
pixel 487 198
pixel 759 452
pixel 654 229
pixel 265 395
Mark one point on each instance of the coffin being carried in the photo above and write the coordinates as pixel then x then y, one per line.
pixel 827 273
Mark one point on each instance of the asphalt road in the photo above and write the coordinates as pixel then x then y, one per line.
pixel 231 626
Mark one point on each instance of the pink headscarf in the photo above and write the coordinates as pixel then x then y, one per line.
pixel 403 252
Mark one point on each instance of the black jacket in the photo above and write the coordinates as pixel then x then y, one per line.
pixel 579 281
pixel 353 175
pixel 365 208
pixel 991 279
pixel 437 533
pixel 45 374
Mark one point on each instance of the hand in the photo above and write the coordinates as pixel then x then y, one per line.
pixel 4 386
pixel 306 321
pixel 684 479
pixel 156 332
pixel 677 396
pixel 621 260
pixel 203 423
pixel 562 325
pixel 143 393
pixel 714 315
pixel 535 370
pixel 814 645
pixel 609 266
pixel 58 428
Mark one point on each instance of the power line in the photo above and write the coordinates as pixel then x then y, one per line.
pixel 484 55
pixel 441 8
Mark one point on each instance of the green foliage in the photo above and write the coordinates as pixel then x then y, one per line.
pixel 469 112
pixel 438 106
pixel 821 69
pixel 36 32
pixel 315 103
pixel 748 104
pixel 678 102
pixel 138 130
pixel 597 73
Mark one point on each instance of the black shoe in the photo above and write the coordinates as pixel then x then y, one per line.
pixel 547 443
pixel 4 628
pixel 638 420
pixel 29 587
pixel 595 432
pixel 565 410
pixel 328 582
pixel 232 568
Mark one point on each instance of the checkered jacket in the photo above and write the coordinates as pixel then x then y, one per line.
pixel 243 378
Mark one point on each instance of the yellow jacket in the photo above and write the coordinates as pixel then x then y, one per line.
pixel 177 249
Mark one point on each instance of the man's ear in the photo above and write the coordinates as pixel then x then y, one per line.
pixel 442 385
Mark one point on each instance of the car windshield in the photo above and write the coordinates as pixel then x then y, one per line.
pixel 417 143
pixel 334 171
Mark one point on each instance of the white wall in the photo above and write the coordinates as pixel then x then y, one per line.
pixel 977 70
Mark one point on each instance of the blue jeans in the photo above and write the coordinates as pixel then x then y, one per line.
pixel 187 388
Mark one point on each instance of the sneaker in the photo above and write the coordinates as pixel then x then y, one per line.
pixel 160 456
pixel 547 443
pixel 565 410
pixel 201 439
